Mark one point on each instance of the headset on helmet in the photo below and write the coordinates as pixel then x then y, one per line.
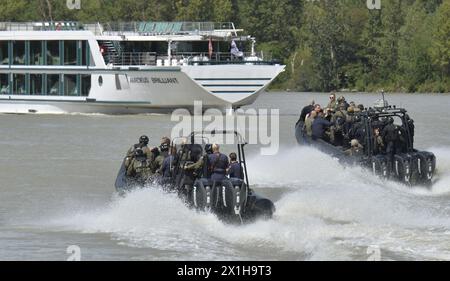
pixel 139 152
pixel 164 147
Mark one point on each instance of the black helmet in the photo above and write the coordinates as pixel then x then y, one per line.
pixel 144 140
pixel 139 152
pixel 208 148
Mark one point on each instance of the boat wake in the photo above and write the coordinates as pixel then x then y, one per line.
pixel 326 212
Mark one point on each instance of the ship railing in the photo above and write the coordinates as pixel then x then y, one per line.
pixel 41 26
pixel 130 28
pixel 167 28
pixel 96 28
pixel 185 58
pixel 222 57
pixel 131 58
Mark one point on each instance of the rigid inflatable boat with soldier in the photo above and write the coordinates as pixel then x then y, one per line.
pixel 230 199
pixel 398 160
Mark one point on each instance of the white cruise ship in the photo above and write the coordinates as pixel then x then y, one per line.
pixel 127 68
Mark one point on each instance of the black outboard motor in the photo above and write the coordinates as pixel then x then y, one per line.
pixel 235 196
pixel 200 196
pixel 226 198
pixel 425 166
pixel 380 166
pixel 229 198
pixel 402 167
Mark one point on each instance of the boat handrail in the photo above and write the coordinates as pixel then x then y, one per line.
pixel 146 28
pixel 41 26
pixel 185 58
pixel 132 58
pixel 168 28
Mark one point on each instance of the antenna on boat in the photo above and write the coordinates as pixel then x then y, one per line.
pixel 253 46
pixel 169 52
pixel 382 104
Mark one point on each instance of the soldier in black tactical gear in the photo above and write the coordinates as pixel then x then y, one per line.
pixel 218 164
pixel 390 137
pixel 411 127
pixel 235 170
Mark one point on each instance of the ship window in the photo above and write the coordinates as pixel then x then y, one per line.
pixel 70 52
pixel 36 84
pixel 70 85
pixel 19 52
pixel 85 85
pixel 53 53
pixel 19 84
pixel 100 81
pixel 53 84
pixel 85 53
pixel 4 57
pixel 36 54
pixel 4 84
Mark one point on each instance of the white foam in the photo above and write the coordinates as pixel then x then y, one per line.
pixel 332 213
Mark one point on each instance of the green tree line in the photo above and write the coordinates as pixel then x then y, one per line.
pixel 326 44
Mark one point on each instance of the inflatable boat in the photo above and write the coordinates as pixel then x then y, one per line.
pixel 402 163
pixel 231 200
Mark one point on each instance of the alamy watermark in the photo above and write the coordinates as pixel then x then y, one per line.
pixel 74 252
pixel 371 4
pixel 259 127
pixel 374 253
pixel 73 4
pixel 374 4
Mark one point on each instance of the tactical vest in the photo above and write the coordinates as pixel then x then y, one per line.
pixel 237 170
pixel 206 167
pixel 141 167
pixel 218 163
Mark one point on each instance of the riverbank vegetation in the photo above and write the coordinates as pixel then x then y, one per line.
pixel 326 44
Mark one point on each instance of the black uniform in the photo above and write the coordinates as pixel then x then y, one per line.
pixel 390 135
pixel 167 166
pixel 318 127
pixel 411 128
pixel 218 164
pixel 236 171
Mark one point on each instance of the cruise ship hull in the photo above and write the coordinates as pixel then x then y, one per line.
pixel 132 90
